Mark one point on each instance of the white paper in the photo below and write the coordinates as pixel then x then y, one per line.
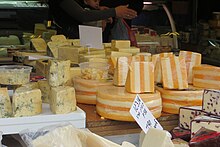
pixel 143 116
pixel 90 36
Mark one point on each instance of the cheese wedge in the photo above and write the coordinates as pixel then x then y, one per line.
pixel 26 102
pixel 174 73
pixel 156 59
pixel 5 103
pixel 86 90
pixel 174 99
pixel 115 102
pixel 62 99
pixel 206 76
pixel 58 72
pixel 140 78
pixel 192 59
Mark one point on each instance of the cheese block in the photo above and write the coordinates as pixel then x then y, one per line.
pixel 74 71
pixel 132 50
pixel 74 42
pixel 32 85
pixel 98 60
pixel 121 43
pixel 187 114
pixel 26 102
pixel 156 59
pixel 58 38
pixel 143 57
pixel 39 44
pixel 45 90
pixel 192 59
pixel 174 73
pixel 157 138
pixel 206 122
pixel 68 53
pixel 211 102
pixel 174 99
pixel 86 90
pixel 41 67
pixel 206 76
pixel 58 72
pixel 107 45
pixel 180 143
pixel 5 104
pixel 140 78
pixel 115 55
pixel 114 103
pixel 62 99
pixel 121 71
pixel 183 134
pixel 52 49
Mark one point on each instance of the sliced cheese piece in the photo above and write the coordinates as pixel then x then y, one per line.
pixel 86 90
pixel 206 76
pixel 121 43
pixel 114 103
pixel 68 53
pixel 5 103
pixel 174 99
pixel 58 72
pixel 140 78
pixel 174 73
pixel 211 102
pixel 187 114
pixel 39 44
pixel 45 90
pixel 206 122
pixel 157 138
pixel 192 59
pixel 26 102
pixel 115 55
pixel 156 59
pixel 62 99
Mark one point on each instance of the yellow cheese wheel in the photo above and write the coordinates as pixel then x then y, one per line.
pixel 172 100
pixel 114 103
pixel 86 89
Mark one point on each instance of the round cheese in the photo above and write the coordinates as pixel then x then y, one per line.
pixel 114 103
pixel 174 99
pixel 86 89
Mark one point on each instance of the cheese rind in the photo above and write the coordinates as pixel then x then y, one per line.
pixel 26 102
pixel 140 78
pixel 58 72
pixel 5 103
pixel 62 99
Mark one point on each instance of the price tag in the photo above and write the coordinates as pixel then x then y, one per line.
pixel 143 116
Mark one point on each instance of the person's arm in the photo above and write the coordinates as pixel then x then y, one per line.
pixel 77 12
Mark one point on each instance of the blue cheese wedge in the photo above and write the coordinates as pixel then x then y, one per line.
pixel 5 103
pixel 58 73
pixel 26 102
pixel 62 99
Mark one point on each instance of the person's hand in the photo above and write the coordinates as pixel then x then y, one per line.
pixel 124 12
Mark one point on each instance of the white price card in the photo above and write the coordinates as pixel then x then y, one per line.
pixel 143 116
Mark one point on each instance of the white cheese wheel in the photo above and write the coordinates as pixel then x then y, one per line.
pixel 115 103
pixel 86 89
pixel 174 99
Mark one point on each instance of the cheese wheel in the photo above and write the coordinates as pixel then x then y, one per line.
pixel 206 76
pixel 174 99
pixel 114 103
pixel 86 89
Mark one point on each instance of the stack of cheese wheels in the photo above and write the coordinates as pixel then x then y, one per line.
pixel 174 99
pixel 114 103
pixel 86 89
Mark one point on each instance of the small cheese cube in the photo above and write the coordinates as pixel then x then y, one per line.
pixel 58 73
pixel 26 102
pixel 140 78
pixel 45 90
pixel 174 73
pixel 62 99
pixel 5 103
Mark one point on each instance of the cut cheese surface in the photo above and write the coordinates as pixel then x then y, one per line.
pixel 74 71
pixel 192 59
pixel 174 73
pixel 114 103
pixel 58 72
pixel 206 76
pixel 140 78
pixel 62 99
pixel 174 99
pixel 5 103
pixel 26 102
pixel 86 89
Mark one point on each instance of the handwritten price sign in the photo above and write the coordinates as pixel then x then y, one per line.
pixel 143 116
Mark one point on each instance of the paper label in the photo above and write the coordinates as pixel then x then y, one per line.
pixel 143 116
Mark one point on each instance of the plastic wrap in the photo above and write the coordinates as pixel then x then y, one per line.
pixel 64 135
